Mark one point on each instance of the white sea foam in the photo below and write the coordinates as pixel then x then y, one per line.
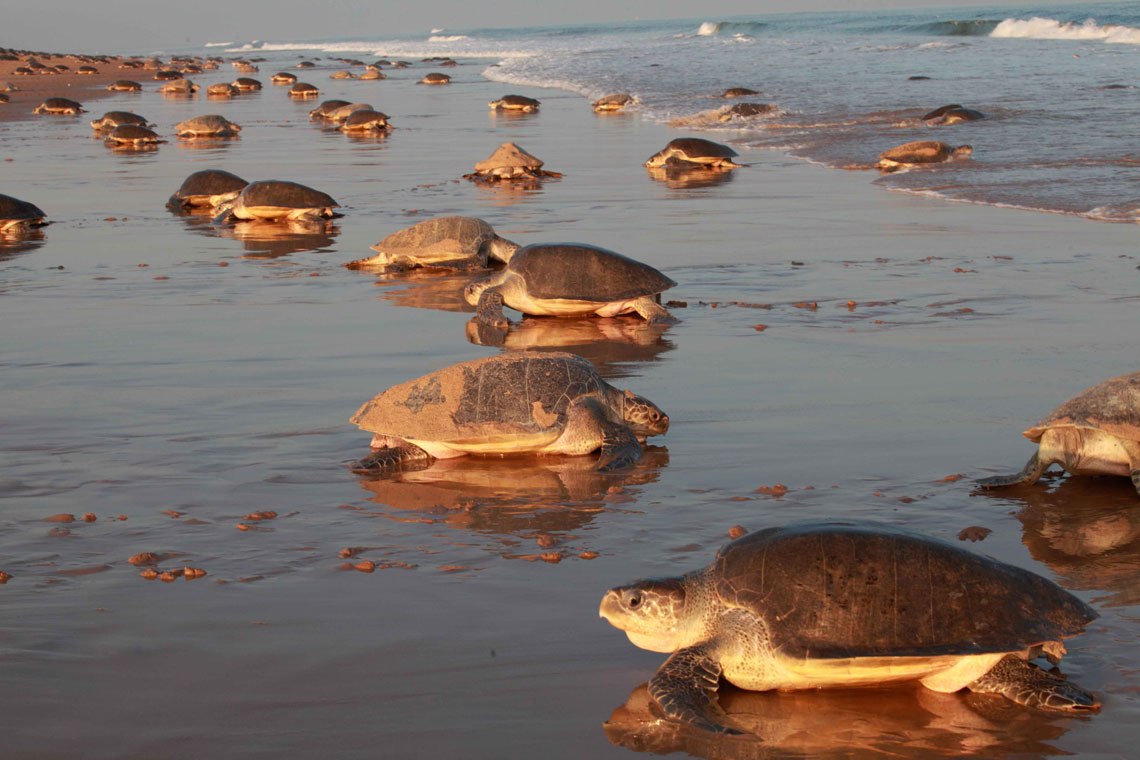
pixel 1038 28
pixel 218 44
pixel 709 28
pixel 447 37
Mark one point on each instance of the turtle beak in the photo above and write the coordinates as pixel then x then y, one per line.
pixel 610 606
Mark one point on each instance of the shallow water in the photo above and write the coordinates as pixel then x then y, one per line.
pixel 143 379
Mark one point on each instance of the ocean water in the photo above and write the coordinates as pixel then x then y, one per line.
pixel 1059 84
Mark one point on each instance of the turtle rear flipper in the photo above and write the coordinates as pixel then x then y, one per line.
pixel 1031 473
pixel 390 458
pixel 1026 684
pixel 685 687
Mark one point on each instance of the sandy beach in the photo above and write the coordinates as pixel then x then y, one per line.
pixel 870 352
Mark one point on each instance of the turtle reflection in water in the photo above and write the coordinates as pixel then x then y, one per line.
pixel 526 402
pixel 834 604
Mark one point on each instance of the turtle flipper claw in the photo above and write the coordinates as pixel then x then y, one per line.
pixel 684 690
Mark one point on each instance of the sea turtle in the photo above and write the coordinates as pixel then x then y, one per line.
pixel 209 125
pixel 371 74
pixel 517 402
pixel 569 280
pixel 246 83
pixel 746 111
pixel 59 106
pixel 738 92
pixel 306 65
pixel 507 162
pixel 303 90
pixel 202 188
pixel 4 98
pixel 167 75
pixel 325 108
pixel 340 114
pixel 515 103
pixel 342 75
pixel 271 200
pixel 435 78
pixel 283 77
pixel 837 604
pixel 132 135
pixel 17 215
pixel 179 87
pixel 694 150
pixel 366 120
pixel 113 119
pixel 124 85
pixel 245 67
pixel 1097 432
pixel 615 101
pixel 951 114
pixel 222 90
pixel 87 70
pixel 918 153
pixel 454 242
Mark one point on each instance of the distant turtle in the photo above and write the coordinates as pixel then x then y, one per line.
pixel 209 125
pixel 1097 432
pixel 167 75
pixel 918 153
pixel 245 67
pixel 59 107
pixel 838 605
pixel 223 90
pixel 615 101
pixel 17 215
pixel 746 111
pixel 306 65
pixel 373 74
pixel 246 83
pixel 283 77
pixel 4 97
pixel 87 70
pixel 436 78
pixel 738 92
pixel 179 87
pixel 508 162
pixel 324 109
pixel 570 280
pixel 272 200
pixel 342 75
pixel 124 85
pixel 304 90
pixel 694 150
pixel 132 135
pixel 515 103
pixel 204 188
pixel 113 119
pixel 453 242
pixel 365 120
pixel 340 114
pixel 519 402
pixel 952 114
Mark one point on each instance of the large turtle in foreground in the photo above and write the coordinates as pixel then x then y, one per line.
pixel 205 189
pixel 452 242
pixel 1095 433
pixel 919 153
pixel 519 402
pixel 17 215
pixel 570 280
pixel 696 151
pixel 272 200
pixel 836 605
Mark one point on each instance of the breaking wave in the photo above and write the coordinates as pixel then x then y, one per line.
pixel 733 28
pixel 1038 28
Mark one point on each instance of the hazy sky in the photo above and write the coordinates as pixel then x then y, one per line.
pixel 146 25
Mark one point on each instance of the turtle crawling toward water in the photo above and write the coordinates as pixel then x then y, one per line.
pixel 1097 432
pixel 519 402
pixel 132 136
pixel 509 162
pixel 615 101
pixel 112 119
pixel 209 125
pixel 273 200
pixel 365 120
pixel 452 242
pixel 570 280
pixel 59 107
pixel 696 151
pixel 204 188
pixel 519 103
pixel 17 215
pixel 919 153
pixel 834 604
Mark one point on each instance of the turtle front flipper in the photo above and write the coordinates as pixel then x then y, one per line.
pixel 620 447
pixel 489 310
pixel 1026 684
pixel 653 312
pixel 390 458
pixel 685 687
pixel 1031 473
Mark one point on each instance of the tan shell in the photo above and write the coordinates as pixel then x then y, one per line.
pixel 1112 406
pixel 508 155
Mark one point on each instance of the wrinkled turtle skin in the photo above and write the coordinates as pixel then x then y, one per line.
pixel 836 604
pixel 519 402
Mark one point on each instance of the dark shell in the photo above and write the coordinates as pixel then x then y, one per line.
pixel 327 107
pixel 514 393
pixel 119 118
pixel 738 92
pixel 696 147
pixel 247 83
pixel 60 104
pixel 273 192
pixel 954 110
pixel 832 590
pixel 366 116
pixel 1112 406
pixel 585 273
pixel 14 208
pixel 751 109
pixel 132 132
pixel 125 84
pixel 518 100
pixel 207 182
pixel 919 152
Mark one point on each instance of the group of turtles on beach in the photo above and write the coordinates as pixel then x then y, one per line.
pixel 804 606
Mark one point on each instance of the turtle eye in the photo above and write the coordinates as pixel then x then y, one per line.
pixel 634 601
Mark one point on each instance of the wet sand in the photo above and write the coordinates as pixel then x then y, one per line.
pixel 183 376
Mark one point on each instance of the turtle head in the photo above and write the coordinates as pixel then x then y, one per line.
pixel 962 151
pixel 657 159
pixel 651 612
pixel 475 289
pixel 643 416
